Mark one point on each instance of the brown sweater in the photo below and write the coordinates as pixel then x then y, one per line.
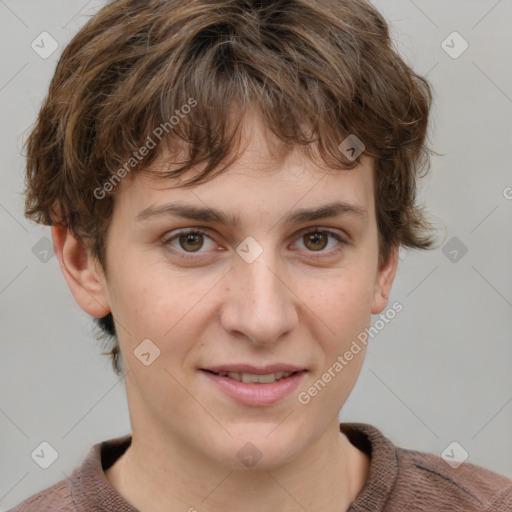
pixel 400 480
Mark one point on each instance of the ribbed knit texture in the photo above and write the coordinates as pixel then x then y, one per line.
pixel 400 480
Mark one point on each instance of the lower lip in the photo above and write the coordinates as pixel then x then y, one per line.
pixel 255 394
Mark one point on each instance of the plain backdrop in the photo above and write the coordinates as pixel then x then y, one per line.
pixel 439 373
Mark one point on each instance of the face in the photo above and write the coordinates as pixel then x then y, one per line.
pixel 269 271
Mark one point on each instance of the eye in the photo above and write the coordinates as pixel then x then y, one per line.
pixel 189 240
pixel 320 239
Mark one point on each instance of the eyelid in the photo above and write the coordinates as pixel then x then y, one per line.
pixel 337 233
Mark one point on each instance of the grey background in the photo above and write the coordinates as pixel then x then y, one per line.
pixel 438 373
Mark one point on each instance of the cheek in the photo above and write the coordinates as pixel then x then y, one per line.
pixel 343 302
pixel 152 302
pixel 344 312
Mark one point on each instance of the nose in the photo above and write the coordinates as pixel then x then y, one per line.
pixel 259 306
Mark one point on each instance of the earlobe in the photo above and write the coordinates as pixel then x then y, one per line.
pixel 385 277
pixel 82 273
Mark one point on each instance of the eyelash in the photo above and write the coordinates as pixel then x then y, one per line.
pixel 200 231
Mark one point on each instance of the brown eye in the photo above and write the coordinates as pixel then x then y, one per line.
pixel 316 241
pixel 321 241
pixel 191 242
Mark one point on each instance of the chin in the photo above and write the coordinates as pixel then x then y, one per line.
pixel 261 448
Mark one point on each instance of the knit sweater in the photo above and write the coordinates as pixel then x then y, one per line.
pixel 399 480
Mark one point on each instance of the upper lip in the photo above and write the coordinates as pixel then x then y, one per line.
pixel 255 370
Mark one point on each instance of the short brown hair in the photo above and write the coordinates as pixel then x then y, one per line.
pixel 317 71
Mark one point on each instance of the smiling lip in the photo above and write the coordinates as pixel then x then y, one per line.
pixel 255 394
pixel 247 368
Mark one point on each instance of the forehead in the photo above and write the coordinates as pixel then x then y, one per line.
pixel 261 179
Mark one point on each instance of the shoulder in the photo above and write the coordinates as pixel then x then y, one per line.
pixel 56 498
pixel 404 480
pixel 428 480
pixel 87 489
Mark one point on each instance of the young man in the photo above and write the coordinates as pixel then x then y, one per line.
pixel 228 184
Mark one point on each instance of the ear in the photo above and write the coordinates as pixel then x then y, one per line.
pixel 385 277
pixel 82 272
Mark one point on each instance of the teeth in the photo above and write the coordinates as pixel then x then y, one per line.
pixel 252 379
pixel 266 379
pixel 247 377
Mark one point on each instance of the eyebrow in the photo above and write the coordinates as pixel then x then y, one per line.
pixel 206 214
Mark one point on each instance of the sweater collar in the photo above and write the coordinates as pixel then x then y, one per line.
pixel 383 466
pixel 91 490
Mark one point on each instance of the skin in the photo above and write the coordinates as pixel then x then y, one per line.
pixel 215 308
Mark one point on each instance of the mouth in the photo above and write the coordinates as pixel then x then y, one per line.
pixel 253 386
pixel 253 378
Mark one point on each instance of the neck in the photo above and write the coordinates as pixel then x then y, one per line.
pixel 155 475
